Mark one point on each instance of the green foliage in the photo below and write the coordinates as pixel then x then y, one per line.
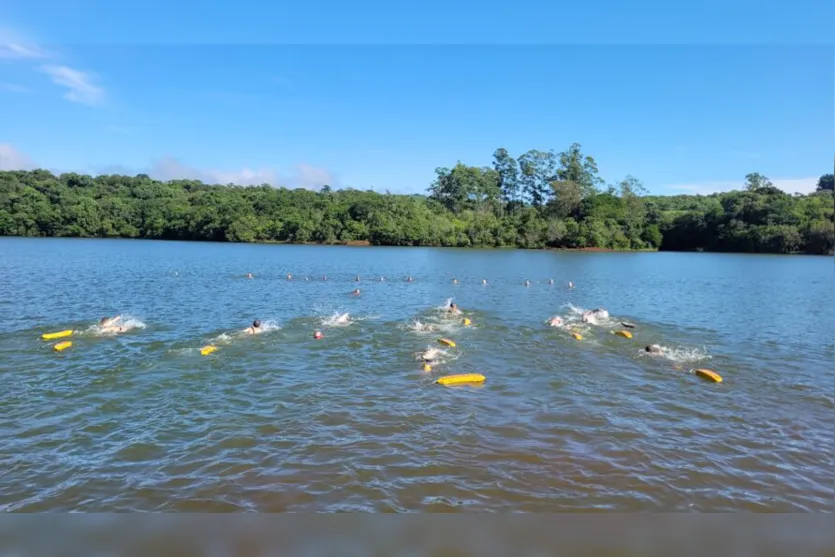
pixel 542 200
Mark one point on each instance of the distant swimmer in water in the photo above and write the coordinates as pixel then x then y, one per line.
pixel 654 349
pixel 555 321
pixel 453 309
pixel 570 284
pixel 356 292
pixel 342 319
pixel 527 283
pixel 249 275
pixel 324 278
pixel 409 279
pixel 109 324
pixel 306 279
pixel 382 279
pixel 454 281
pixel 550 281
pixel 289 276
pixel 484 282
pixel 357 278
pixel 255 328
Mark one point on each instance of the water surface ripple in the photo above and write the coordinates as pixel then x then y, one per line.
pixel 281 422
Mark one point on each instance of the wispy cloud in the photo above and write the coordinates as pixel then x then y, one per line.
pixel 80 86
pixel 788 185
pixel 12 88
pixel 15 51
pixel 12 159
pixel 301 176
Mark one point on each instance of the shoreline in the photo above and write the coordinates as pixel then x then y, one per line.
pixel 367 244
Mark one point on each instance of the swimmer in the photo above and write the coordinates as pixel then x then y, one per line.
pixel 382 279
pixel 654 349
pixel 357 278
pixel 453 308
pixel 249 275
pixel 570 284
pixel 289 276
pixel 422 327
pixel 429 355
pixel 484 282
pixel 454 281
pixel 409 279
pixel 527 283
pixel 356 292
pixel 555 321
pixel 595 314
pixel 324 278
pixel 108 325
pixel 317 335
pixel 550 281
pixel 306 279
pixel 109 321
pixel 343 319
pixel 255 328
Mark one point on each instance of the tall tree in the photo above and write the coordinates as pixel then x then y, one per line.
pixel 757 182
pixel 580 169
pixel 537 171
pixel 508 171
pixel 826 182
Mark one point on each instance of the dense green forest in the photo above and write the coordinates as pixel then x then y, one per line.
pixel 542 199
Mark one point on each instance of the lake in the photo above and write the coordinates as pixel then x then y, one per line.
pixel 282 422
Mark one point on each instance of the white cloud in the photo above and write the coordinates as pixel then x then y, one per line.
pixel 788 185
pixel 12 159
pixel 301 176
pixel 80 87
pixel 14 51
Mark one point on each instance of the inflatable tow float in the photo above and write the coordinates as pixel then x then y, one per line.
pixel 461 379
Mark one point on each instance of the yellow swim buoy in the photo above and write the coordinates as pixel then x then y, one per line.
pixel 62 346
pixel 577 336
pixel 461 379
pixel 59 334
pixel 467 321
pixel 427 367
pixel 624 334
pixel 206 350
pixel 447 342
pixel 708 374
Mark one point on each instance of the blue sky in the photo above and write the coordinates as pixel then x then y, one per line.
pixel 219 93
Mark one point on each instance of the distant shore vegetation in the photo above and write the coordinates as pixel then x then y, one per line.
pixel 541 199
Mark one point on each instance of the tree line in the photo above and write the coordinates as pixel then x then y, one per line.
pixel 540 199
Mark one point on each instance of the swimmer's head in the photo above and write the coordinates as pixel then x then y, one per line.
pixel 653 348
pixel 103 321
pixel 256 323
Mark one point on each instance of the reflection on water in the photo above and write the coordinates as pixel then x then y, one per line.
pixel 280 421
